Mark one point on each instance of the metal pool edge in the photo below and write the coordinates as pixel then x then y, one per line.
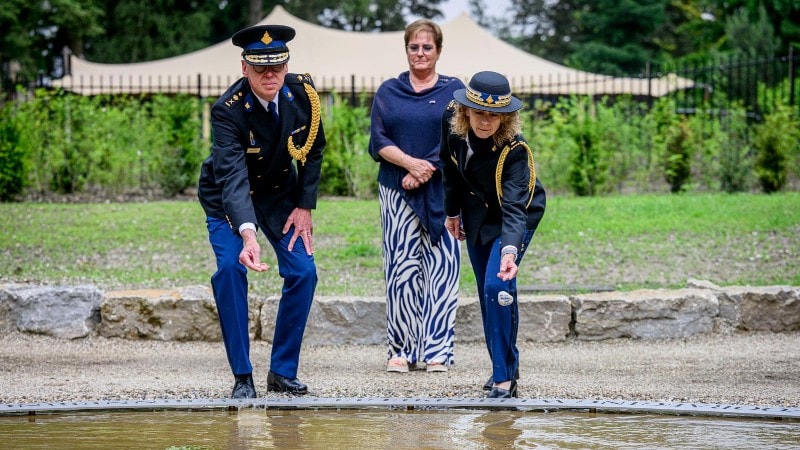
pixel 533 404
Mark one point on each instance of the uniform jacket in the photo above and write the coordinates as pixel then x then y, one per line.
pixel 475 198
pixel 250 175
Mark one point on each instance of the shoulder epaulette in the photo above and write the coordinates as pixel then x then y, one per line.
pixel 501 161
pixel 452 105
pixel 297 78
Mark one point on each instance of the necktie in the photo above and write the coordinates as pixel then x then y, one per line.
pixel 273 112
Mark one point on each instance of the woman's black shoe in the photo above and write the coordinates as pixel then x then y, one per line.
pixel 490 382
pixel 497 392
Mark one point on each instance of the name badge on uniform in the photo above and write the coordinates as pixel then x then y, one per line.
pixel 253 149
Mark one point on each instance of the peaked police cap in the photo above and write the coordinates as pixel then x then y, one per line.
pixel 264 45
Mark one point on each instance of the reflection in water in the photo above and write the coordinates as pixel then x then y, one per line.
pixel 392 429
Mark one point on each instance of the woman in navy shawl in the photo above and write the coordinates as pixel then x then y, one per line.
pixel 421 261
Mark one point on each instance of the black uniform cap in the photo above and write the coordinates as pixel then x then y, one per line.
pixel 264 45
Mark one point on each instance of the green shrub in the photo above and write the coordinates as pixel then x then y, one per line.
pixel 12 155
pixel 735 152
pixel 585 172
pixel 347 168
pixel 53 141
pixel 543 128
pixel 587 167
pixel 181 151
pixel 774 140
pixel 678 157
pixel 621 140
pixel 589 148
pixel 113 144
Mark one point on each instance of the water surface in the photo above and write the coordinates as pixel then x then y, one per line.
pixel 389 429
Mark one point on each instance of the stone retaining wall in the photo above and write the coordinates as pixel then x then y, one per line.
pixel 189 313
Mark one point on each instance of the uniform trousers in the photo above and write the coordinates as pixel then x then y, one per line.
pixel 229 284
pixel 499 306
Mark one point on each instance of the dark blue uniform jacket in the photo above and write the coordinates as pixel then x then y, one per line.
pixel 250 175
pixel 472 192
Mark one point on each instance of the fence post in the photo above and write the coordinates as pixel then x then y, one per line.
pixel 791 75
pixel 649 85
pixel 353 90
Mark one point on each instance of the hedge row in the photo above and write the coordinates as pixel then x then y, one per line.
pixel 55 142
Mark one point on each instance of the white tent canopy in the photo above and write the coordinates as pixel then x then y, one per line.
pixel 347 61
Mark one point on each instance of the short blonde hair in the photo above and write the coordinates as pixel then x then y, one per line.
pixel 510 124
pixel 424 25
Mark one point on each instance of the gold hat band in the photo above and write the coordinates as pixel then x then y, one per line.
pixel 266 58
pixel 492 101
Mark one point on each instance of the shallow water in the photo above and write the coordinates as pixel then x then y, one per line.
pixel 389 429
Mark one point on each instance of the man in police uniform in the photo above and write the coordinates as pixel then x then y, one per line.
pixel 263 173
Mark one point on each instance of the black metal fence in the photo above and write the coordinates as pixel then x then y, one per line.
pixel 757 84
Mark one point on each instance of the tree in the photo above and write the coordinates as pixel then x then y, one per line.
pixel 689 34
pixel 605 36
pixel 364 15
pixel 47 27
pixel 784 15
pixel 144 30
pixel 615 36
pixel 749 38
pixel 542 27
pixel 618 37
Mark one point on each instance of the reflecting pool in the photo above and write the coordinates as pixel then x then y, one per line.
pixel 256 428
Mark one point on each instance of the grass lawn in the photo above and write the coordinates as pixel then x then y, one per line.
pixel 621 242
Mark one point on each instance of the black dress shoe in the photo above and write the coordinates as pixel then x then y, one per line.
pixel 278 383
pixel 490 382
pixel 497 392
pixel 243 387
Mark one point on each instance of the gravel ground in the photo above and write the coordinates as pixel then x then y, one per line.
pixel 739 369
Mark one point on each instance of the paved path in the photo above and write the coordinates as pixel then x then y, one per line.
pixel 754 369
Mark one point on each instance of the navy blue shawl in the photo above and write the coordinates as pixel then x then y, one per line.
pixel 412 121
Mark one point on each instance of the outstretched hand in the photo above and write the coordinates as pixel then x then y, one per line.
pixel 250 256
pixel 508 267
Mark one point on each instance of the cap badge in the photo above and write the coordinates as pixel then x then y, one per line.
pixel 484 99
pixel 266 39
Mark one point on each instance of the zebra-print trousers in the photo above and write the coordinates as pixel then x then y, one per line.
pixel 421 284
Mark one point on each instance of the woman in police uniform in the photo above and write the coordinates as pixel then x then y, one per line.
pixel 494 202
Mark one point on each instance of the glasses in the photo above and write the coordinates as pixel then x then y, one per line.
pixel 415 48
pixel 274 69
